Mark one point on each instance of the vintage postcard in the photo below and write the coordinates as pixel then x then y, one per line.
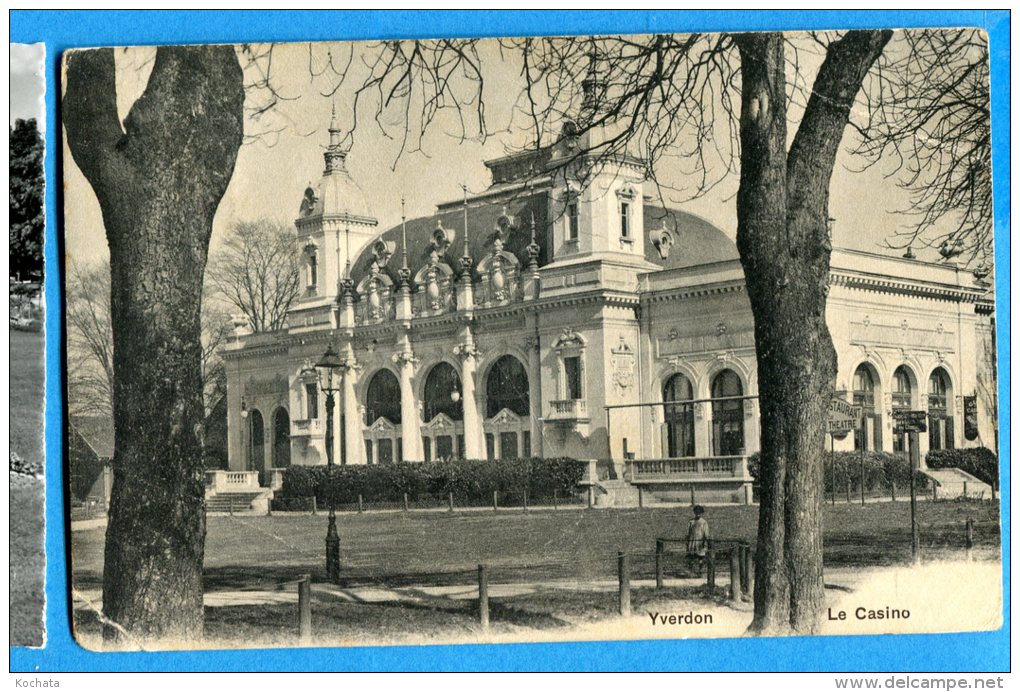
pixel 531 339
pixel 27 345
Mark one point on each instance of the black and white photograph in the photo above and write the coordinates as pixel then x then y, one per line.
pixel 27 345
pixel 487 340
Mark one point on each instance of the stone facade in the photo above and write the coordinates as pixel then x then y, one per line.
pixel 541 318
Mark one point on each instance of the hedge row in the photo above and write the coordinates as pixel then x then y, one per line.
pixel 881 470
pixel 980 462
pixel 471 481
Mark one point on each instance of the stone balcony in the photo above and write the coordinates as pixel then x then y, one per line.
pixel 568 412
pixel 307 428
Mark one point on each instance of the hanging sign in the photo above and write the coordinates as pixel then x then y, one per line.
pixel 843 418
pixel 970 417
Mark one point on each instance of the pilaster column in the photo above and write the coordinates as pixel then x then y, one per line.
pixel 474 444
pixel 410 425
pixel 535 395
pixel 354 437
pixel 703 428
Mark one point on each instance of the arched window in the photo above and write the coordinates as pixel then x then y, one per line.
pixel 902 400
pixel 442 393
pixel 507 388
pixel 383 398
pixel 256 442
pixel 869 437
pixel 727 414
pixel 940 419
pixel 679 417
pixel 281 438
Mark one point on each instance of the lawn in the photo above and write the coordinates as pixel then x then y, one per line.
pixel 28 561
pixel 27 396
pixel 26 492
pixel 436 547
pixel 552 573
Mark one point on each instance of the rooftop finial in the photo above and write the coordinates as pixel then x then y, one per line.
pixel 335 153
pixel 404 273
pixel 590 88
pixel 403 233
pixel 533 249
pixel 463 187
pixel 347 266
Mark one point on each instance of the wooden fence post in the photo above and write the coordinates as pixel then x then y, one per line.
pixel 734 575
pixel 591 497
pixel 525 500
pixel 970 539
pixel 640 497
pixel 405 502
pixel 993 491
pixel 750 572
pixel 495 500
pixel 315 503
pixel 556 499
pixel 894 491
pixel 659 548
pixel 745 561
pixel 965 490
pixel 361 504
pixel 305 609
pixel 934 491
pixel 692 496
pixel 624 583
pixel 710 566
pixel 848 489
pixel 451 500
pixel 483 597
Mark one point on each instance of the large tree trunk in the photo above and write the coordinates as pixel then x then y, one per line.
pixel 784 244
pixel 159 181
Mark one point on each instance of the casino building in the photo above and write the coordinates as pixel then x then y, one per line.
pixel 545 318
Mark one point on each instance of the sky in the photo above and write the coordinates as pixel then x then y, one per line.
pixel 28 83
pixel 273 170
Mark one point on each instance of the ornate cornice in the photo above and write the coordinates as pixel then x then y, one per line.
pixel 888 285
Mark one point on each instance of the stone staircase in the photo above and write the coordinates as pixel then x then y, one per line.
pixel 615 493
pixel 227 502
pixel 954 483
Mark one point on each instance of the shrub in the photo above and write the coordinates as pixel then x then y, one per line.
pixel 881 470
pixel 980 462
pixel 471 481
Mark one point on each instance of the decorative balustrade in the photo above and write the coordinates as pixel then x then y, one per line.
pixel 221 481
pixel 666 470
pixel 568 410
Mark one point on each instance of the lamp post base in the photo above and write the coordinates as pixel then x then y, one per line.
pixel 332 552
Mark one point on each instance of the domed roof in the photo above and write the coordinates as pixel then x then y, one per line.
pixel 337 194
pixel 695 241
pixel 482 222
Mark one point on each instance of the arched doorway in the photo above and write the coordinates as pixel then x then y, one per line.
pixel 383 443
pixel 281 439
pixel 257 442
pixel 940 414
pixel 902 400
pixel 506 389
pixel 679 416
pixel 869 437
pixel 727 415
pixel 442 401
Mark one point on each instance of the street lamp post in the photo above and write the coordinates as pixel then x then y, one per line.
pixel 328 370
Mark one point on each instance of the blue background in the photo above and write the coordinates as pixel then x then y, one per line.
pixel 63 30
